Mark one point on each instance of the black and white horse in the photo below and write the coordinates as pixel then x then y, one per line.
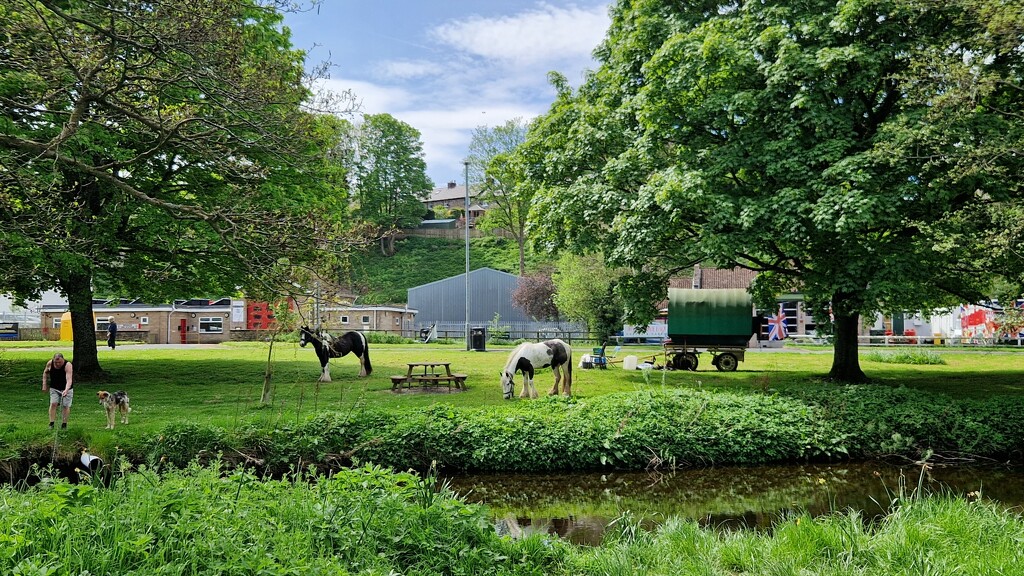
pixel 529 357
pixel 328 347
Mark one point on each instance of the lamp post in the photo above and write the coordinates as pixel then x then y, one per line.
pixel 466 215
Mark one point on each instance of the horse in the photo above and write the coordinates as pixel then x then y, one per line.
pixel 530 356
pixel 328 347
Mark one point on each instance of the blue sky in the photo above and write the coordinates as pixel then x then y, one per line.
pixel 446 67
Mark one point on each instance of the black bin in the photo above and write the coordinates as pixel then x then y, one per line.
pixel 478 339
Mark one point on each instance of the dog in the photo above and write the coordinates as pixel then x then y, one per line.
pixel 114 403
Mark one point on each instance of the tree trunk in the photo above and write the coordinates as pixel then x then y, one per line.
pixel 78 287
pixel 387 245
pixel 268 372
pixel 521 239
pixel 845 360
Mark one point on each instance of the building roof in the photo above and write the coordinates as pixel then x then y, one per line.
pixel 451 191
pixel 369 308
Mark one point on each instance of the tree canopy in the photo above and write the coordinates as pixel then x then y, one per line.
pixel 860 152
pixel 156 150
pixel 389 175
pixel 502 180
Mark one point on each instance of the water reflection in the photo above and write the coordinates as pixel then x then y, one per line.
pixel 579 507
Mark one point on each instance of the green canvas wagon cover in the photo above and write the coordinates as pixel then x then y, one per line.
pixel 711 317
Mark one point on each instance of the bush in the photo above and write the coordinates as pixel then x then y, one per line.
pixel 920 357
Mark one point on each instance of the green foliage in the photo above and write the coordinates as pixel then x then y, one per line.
pixel 389 172
pixel 905 357
pixel 418 261
pixel 218 521
pixel 859 152
pixel 137 158
pixel 938 535
pixel 630 430
pixel 585 290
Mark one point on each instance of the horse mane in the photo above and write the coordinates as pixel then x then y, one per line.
pixel 513 358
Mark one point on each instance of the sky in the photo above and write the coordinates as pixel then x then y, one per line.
pixel 446 67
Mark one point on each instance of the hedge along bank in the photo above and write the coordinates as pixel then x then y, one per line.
pixel 619 431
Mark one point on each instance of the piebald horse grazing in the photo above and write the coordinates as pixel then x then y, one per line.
pixel 529 357
pixel 328 347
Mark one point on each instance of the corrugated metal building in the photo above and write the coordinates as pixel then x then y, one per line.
pixel 490 293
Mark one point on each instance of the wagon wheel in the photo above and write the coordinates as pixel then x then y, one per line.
pixel 680 362
pixel 726 362
pixel 691 358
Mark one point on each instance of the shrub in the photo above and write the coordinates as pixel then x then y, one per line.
pixel 920 357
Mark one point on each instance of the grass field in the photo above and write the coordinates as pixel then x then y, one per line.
pixel 222 385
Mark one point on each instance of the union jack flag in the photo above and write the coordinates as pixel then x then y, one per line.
pixel 777 326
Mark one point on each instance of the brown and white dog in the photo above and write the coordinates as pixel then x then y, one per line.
pixel 114 403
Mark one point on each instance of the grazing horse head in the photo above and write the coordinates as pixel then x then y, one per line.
pixel 508 385
pixel 528 357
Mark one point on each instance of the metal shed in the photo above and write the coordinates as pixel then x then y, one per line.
pixel 490 293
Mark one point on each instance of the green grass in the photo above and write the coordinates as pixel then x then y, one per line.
pixel 222 386
pixel 419 261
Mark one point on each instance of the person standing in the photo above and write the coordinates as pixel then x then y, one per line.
pixel 57 378
pixel 111 333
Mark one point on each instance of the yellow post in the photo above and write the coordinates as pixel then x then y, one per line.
pixel 66 335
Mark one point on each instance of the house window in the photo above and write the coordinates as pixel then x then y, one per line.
pixel 366 319
pixel 397 321
pixel 56 323
pixel 211 324
pixel 102 325
pixel 144 321
pixel 344 319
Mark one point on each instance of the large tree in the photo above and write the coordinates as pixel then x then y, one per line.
pixel 389 176
pixel 854 151
pixel 157 149
pixel 501 177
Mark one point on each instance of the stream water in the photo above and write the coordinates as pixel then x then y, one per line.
pixel 579 506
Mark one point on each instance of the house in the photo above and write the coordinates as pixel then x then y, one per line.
pixel 397 320
pixel 453 196
pixel 194 321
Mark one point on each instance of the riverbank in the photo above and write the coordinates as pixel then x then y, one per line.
pixel 369 521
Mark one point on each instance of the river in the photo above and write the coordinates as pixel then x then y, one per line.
pixel 579 506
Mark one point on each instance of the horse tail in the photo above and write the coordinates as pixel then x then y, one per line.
pixel 568 352
pixel 365 358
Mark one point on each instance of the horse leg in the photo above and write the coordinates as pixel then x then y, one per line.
pixel 362 367
pixel 325 373
pixel 558 376
pixel 533 389
pixel 567 385
pixel 526 387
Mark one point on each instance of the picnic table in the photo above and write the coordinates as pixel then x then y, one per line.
pixel 429 374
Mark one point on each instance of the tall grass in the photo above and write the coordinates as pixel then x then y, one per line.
pixel 936 535
pixel 213 521
pixel 369 521
pixel 903 356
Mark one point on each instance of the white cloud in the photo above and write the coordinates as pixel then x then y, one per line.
pixel 488 71
pixel 544 34
pixel 409 69
pixel 373 98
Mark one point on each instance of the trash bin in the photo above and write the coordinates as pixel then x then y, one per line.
pixel 424 333
pixel 478 339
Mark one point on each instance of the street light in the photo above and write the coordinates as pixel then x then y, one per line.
pixel 466 215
